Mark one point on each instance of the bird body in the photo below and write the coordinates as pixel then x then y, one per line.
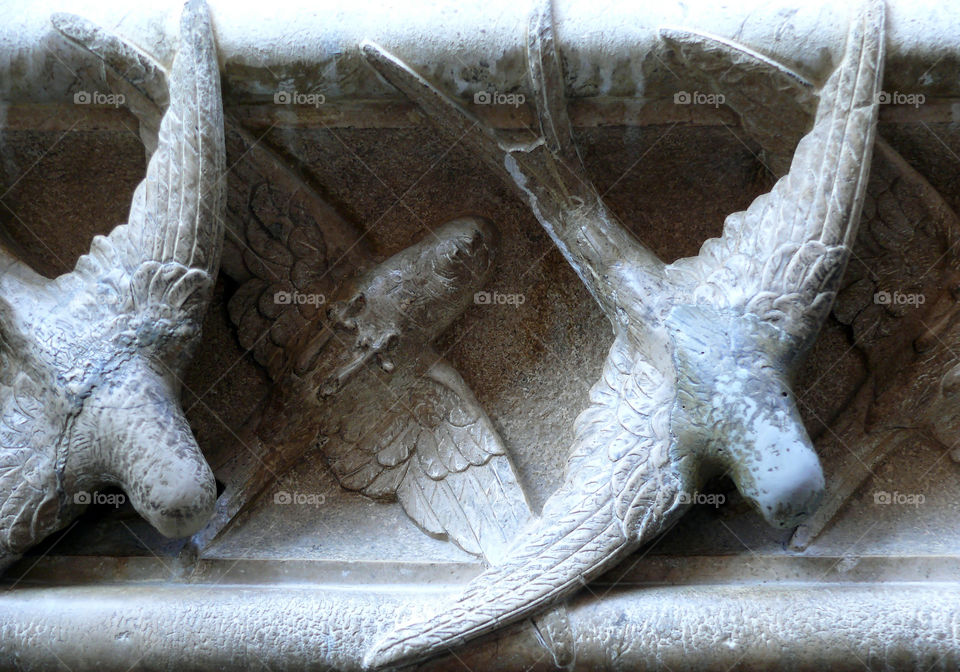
pixel 698 380
pixel 89 389
pixel 391 417
pixel 348 350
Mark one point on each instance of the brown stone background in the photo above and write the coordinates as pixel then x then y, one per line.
pixel 530 366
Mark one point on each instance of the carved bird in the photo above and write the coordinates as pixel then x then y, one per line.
pixel 906 245
pixel 348 351
pixel 91 361
pixel 698 380
pixel 391 417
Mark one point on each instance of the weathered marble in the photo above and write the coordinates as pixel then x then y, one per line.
pixel 332 192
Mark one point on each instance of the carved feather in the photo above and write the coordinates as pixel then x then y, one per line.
pixel 170 247
pixel 597 517
pixel 546 171
pixel 629 465
pixel 782 259
pixel 289 249
pixel 129 71
pixel 421 437
pixel 282 237
pixel 905 245
pixel 88 390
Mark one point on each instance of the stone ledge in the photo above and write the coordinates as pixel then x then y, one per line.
pixel 901 626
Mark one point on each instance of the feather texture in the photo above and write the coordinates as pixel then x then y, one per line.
pixel 782 259
pixel 429 445
pixel 88 391
pixel 596 518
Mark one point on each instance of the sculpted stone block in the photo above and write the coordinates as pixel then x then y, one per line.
pixel 355 376
pixel 360 383
pixel 91 360
pixel 897 296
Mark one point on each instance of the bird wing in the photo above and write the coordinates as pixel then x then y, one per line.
pixel 905 223
pixel 421 436
pixel 289 249
pixel 620 490
pixel 905 244
pixel 28 477
pixel 782 259
pixel 281 235
pixel 161 265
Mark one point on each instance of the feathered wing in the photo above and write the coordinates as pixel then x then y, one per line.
pixel 905 225
pixel 282 237
pixel 28 480
pixel 162 264
pixel 142 288
pixel 421 436
pixel 620 491
pixel 289 249
pixel 782 259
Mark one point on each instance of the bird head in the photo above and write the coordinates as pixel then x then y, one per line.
pixel 735 412
pixel 126 428
pixel 410 298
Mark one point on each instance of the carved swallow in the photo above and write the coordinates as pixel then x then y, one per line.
pixel 91 361
pixel 906 225
pixel 698 380
pixel 392 418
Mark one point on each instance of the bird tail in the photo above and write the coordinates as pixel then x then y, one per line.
pixel 555 556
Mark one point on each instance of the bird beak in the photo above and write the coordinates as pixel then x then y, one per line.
pixel 151 452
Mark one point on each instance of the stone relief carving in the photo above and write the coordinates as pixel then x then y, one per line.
pixel 699 381
pixel 699 376
pixel 91 360
pixel 407 426
pixel 392 418
pixel 356 379
pixel 905 248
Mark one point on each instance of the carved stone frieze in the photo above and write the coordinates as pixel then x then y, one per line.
pixel 488 376
pixel 699 376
